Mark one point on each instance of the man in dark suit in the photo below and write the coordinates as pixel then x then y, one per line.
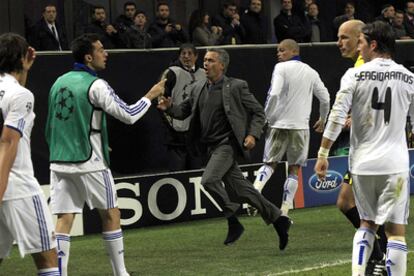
pixel 228 120
pixel 47 34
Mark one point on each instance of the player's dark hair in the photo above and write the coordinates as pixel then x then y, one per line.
pixel 82 46
pixel 13 48
pixel 383 34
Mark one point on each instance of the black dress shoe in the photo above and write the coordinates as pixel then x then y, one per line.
pixel 282 225
pixel 234 233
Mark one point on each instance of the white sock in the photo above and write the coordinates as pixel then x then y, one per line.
pixel 114 244
pixel 263 175
pixel 396 258
pixel 362 249
pixel 63 250
pixel 52 271
pixel 289 191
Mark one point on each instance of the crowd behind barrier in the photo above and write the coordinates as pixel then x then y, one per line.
pixel 141 148
pixel 233 24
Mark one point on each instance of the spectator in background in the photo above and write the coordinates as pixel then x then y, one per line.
pixel 47 34
pixel 318 31
pixel 387 14
pixel 108 35
pixel 255 24
pixel 349 14
pixel 398 26
pixel 164 31
pixel 409 18
pixel 125 21
pixel 137 36
pixel 201 34
pixel 180 76
pixel 289 25
pixel 229 21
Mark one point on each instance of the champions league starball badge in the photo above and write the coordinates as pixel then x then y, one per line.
pixel 64 104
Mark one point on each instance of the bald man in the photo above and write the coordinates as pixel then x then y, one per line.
pixel 348 35
pixel 288 107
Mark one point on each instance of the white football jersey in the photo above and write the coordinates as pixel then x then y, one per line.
pixel 379 94
pixel 289 100
pixel 16 104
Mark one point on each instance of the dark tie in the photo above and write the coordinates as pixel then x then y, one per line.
pixel 56 36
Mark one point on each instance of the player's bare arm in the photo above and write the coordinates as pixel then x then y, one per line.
pixel 9 142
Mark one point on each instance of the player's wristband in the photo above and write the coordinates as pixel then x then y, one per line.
pixel 323 153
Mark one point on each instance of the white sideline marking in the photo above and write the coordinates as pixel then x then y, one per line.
pixel 323 265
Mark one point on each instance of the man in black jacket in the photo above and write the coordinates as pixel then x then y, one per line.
pixel 229 21
pixel 164 31
pixel 108 35
pixel 289 25
pixel 255 24
pixel 46 34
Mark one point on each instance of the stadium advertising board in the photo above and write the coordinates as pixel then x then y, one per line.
pixel 173 197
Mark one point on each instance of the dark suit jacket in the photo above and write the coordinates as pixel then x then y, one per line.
pixel 42 39
pixel 243 111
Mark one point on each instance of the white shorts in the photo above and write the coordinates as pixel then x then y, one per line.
pixel 28 222
pixel 69 192
pixel 292 142
pixel 382 198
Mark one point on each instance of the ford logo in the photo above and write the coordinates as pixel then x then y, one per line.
pixel 332 182
pixel 412 171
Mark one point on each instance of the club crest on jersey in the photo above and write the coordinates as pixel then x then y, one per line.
pixel 29 106
pixel 332 181
pixel 64 104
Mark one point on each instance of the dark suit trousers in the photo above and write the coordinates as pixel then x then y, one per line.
pixel 223 166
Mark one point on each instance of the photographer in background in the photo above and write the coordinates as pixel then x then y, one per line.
pixel 107 33
pixel 164 31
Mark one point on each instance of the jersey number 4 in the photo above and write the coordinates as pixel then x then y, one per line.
pixel 386 105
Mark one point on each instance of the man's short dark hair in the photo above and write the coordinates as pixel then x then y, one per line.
pixel 383 34
pixel 162 3
pixel 49 5
pixel 188 46
pixel 130 3
pixel 399 11
pixel 229 3
pixel 82 46
pixel 94 8
pixel 13 48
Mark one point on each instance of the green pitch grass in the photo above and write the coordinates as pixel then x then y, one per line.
pixel 319 237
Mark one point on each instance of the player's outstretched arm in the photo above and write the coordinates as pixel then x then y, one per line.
pixel 9 142
pixel 157 90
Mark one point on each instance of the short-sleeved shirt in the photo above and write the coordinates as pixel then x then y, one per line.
pixel 16 104
pixel 380 93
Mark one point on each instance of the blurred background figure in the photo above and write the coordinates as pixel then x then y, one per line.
pixel 398 26
pixel 125 21
pixel 201 33
pixel 47 34
pixel 165 32
pixel 255 24
pixel 387 14
pixel 137 36
pixel 349 14
pixel 409 18
pixel 229 21
pixel 318 30
pixel 107 33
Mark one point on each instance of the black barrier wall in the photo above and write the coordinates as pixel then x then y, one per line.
pixel 140 148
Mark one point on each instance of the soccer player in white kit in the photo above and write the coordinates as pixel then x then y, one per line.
pixel 288 107
pixel 79 152
pixel 24 215
pixel 379 95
